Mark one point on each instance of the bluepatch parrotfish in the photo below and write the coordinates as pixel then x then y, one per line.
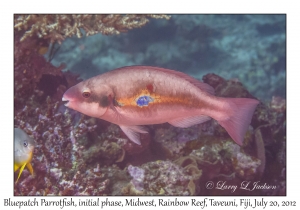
pixel 23 150
pixel 142 95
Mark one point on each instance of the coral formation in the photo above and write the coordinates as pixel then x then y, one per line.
pixel 138 175
pixel 159 178
pixel 58 27
pixel 173 140
pixel 226 155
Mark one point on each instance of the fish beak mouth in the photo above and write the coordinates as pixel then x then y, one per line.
pixel 65 101
pixel 69 97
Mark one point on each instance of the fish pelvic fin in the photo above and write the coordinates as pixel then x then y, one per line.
pixel 29 166
pixel 21 170
pixel 238 122
pixel 132 132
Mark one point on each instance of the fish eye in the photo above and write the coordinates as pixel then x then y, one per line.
pixel 86 94
pixel 25 143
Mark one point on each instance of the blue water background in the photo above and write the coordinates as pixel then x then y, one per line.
pixel 251 48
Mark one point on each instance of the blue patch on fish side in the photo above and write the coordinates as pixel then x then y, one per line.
pixel 144 100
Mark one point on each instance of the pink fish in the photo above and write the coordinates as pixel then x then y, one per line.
pixel 142 95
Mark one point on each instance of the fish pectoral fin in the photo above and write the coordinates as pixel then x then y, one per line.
pixel 21 170
pixel 132 132
pixel 186 122
pixel 138 128
pixel 29 166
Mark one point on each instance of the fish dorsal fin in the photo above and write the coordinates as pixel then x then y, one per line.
pixel 189 121
pixel 201 85
pixel 132 132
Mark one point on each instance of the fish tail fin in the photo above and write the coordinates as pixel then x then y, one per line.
pixel 239 120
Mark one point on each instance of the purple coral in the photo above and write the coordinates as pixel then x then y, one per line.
pixel 159 178
pixel 138 175
pixel 186 135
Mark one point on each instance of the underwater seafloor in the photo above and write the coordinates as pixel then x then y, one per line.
pixel 238 55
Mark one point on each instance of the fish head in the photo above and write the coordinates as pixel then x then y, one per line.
pixel 90 97
pixel 24 146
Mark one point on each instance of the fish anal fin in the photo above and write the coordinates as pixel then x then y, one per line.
pixel 132 132
pixel 186 122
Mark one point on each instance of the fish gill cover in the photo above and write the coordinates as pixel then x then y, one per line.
pixel 238 55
